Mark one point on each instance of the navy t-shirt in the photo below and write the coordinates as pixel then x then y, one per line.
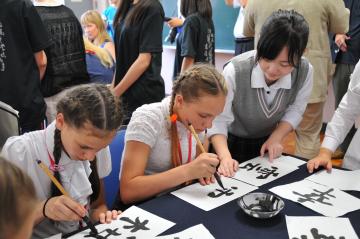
pixel 196 40
pixel 21 35
pixel 352 55
pixel 142 37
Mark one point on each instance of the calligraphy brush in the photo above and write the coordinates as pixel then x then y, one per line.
pixel 86 218
pixel 216 175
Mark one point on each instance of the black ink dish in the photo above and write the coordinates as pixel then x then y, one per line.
pixel 261 205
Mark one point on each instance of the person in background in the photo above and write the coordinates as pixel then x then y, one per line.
pixel 196 41
pixel 242 43
pixel 75 148
pixel 348 54
pixel 66 54
pixel 99 48
pixel 345 115
pixel 23 61
pixel 268 91
pixel 18 202
pixel 160 151
pixel 108 15
pixel 176 21
pixel 138 42
pixel 331 16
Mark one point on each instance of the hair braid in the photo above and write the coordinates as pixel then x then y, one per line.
pixel 174 136
pixel 57 154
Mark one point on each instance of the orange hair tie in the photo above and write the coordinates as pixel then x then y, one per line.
pixel 173 118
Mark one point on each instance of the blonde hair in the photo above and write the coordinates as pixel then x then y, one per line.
pixel 199 80
pixel 17 198
pixel 94 17
pixel 104 56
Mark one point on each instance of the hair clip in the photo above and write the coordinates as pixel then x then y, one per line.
pixel 173 118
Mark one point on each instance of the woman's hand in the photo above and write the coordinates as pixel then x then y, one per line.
pixel 63 208
pixel 207 181
pixel 273 147
pixel 175 22
pixel 108 216
pixel 228 167
pixel 203 168
pixel 323 159
pixel 340 40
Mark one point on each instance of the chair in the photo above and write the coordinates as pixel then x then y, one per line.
pixel 9 123
pixel 112 181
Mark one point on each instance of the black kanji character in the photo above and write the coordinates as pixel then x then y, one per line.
pixel 136 225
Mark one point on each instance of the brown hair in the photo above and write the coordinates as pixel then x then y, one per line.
pixel 17 197
pixel 90 103
pixel 198 80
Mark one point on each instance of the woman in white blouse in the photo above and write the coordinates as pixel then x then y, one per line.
pixel 337 129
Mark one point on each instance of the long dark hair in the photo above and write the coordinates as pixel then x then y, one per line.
pixel 90 103
pixel 203 7
pixel 283 28
pixel 131 17
pixel 198 80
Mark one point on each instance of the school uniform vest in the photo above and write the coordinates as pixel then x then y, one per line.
pixel 253 117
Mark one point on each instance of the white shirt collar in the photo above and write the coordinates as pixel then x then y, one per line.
pixel 258 80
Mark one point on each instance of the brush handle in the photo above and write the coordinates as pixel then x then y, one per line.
pixel 52 178
pixel 197 138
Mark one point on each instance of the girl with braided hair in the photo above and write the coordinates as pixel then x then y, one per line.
pixel 74 147
pixel 159 148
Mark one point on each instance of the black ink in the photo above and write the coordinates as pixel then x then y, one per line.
pixel 265 172
pixel 321 196
pixel 249 166
pixel 136 225
pixel 110 232
pixel 226 192
pixel 315 235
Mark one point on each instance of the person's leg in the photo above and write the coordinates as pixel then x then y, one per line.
pixel 244 149
pixel 243 45
pixel 341 81
pixel 308 132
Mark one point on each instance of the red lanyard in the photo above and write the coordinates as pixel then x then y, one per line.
pixel 189 150
pixel 53 166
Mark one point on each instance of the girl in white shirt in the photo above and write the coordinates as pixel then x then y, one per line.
pixel 17 200
pixel 75 148
pixel 160 150
pixel 268 93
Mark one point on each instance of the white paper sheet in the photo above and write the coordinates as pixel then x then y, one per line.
pixel 340 179
pixel 57 236
pixel 196 232
pixel 319 227
pixel 259 171
pixel 134 222
pixel 290 160
pixel 325 200
pixel 211 196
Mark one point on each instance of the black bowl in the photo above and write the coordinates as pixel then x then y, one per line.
pixel 261 205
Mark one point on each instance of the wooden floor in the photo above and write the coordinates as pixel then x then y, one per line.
pixel 289 147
